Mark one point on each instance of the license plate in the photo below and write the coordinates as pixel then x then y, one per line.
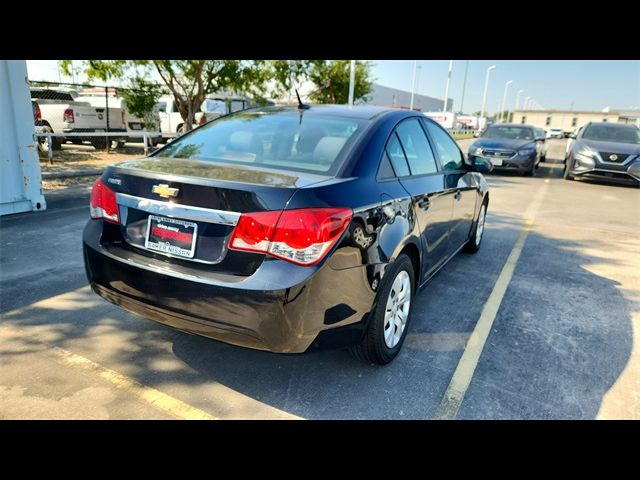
pixel 496 161
pixel 135 126
pixel 171 236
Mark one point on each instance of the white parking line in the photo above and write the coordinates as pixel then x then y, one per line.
pixel 454 395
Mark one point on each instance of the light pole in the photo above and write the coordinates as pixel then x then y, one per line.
pixel 484 95
pixel 518 99
pixel 525 106
pixel 464 86
pixel 504 99
pixel 352 82
pixel 413 88
pixel 516 105
pixel 446 91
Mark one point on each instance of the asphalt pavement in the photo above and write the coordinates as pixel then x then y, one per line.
pixel 555 286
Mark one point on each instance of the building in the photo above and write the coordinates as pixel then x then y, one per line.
pixel 393 97
pixel 569 120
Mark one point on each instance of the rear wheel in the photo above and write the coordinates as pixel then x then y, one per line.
pixel 473 245
pixel 390 315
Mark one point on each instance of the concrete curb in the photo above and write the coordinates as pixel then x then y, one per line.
pixel 73 173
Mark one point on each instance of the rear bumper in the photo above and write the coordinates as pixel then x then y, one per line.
pixel 281 308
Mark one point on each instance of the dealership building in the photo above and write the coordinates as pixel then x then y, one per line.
pixel 393 97
pixel 569 120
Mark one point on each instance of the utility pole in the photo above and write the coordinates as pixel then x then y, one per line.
pixel 464 86
pixel 413 88
pixel 446 91
pixel 352 82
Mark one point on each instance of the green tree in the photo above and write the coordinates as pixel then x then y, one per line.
pixel 331 78
pixel 189 81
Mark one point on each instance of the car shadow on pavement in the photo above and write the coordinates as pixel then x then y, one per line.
pixel 561 339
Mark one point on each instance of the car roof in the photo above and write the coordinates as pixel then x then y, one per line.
pixel 615 125
pixel 512 125
pixel 364 112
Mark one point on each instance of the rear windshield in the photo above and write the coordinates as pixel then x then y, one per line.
pixel 281 139
pixel 512 133
pixel 611 133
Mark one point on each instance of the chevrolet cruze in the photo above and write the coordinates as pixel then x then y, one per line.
pixel 607 151
pixel 287 229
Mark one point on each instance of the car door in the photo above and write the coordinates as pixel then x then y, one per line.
pixel 458 184
pixel 415 165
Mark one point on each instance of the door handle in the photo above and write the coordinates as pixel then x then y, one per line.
pixel 458 195
pixel 424 203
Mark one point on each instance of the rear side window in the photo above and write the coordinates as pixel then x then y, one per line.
pixel 280 139
pixel 416 148
pixel 448 151
pixel 396 155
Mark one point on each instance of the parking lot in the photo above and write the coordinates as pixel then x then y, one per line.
pixel 556 286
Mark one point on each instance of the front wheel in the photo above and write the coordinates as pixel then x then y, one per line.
pixel 473 244
pixel 390 315
pixel 567 170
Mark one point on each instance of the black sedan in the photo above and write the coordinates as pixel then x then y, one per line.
pixel 606 151
pixel 512 147
pixel 287 229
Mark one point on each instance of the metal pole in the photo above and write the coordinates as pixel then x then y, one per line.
pixel 464 86
pixel 484 95
pixel 352 82
pixel 503 104
pixel 446 91
pixel 415 66
pixel 144 140
pixel 518 99
pixel 50 148
pixel 106 101
pixel 525 106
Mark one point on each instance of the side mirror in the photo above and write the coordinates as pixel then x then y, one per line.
pixel 481 165
pixel 572 135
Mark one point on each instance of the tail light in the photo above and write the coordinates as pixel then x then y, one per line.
pixel 38 113
pixel 103 203
pixel 300 236
pixel 67 116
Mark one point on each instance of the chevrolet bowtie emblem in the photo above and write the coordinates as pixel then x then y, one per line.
pixel 165 191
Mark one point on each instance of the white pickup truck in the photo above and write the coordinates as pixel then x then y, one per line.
pixel 62 113
pixel 132 123
pixel 212 107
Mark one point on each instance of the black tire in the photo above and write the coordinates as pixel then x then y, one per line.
pixel 43 143
pixel 120 144
pixel 373 348
pixel 472 246
pixel 531 171
pixel 567 168
pixel 101 143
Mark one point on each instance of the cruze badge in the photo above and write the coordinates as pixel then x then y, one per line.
pixel 613 157
pixel 165 191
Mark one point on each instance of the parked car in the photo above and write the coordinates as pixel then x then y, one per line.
pixel 61 113
pixel 287 229
pixel 607 151
pixel 212 107
pixel 507 146
pixel 541 135
pixel 555 133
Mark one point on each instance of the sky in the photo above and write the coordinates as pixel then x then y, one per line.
pixel 553 84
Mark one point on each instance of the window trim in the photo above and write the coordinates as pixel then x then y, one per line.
pixel 439 170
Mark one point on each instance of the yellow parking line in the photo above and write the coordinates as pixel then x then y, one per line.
pixel 454 395
pixel 162 401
